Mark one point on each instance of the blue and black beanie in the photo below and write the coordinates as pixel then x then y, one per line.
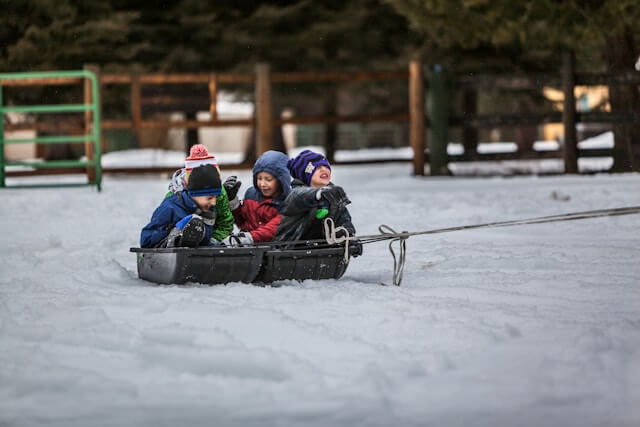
pixel 305 164
pixel 205 181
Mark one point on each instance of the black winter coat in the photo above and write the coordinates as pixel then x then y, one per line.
pixel 299 220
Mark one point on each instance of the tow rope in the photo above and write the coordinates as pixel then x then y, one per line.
pixel 388 233
pixel 398 265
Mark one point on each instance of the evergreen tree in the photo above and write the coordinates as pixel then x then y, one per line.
pixel 530 35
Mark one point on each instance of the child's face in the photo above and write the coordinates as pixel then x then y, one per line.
pixel 321 177
pixel 268 184
pixel 205 203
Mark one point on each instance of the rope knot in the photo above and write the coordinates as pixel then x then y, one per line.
pixel 330 231
pixel 398 263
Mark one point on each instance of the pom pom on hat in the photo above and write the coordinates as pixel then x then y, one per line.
pixel 198 156
pixel 198 150
pixel 305 164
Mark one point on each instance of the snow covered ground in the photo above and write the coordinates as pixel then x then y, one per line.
pixel 522 326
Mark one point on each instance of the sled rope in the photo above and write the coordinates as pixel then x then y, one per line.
pixel 372 238
pixel 398 264
pixel 387 233
pixel 539 220
pixel 330 231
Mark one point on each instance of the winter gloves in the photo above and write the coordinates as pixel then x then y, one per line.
pixel 335 197
pixel 232 185
pixel 238 239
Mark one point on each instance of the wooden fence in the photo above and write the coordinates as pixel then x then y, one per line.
pixel 567 79
pixel 425 88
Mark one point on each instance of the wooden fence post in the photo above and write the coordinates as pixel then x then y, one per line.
pixel 417 115
pixel 331 129
pixel 213 96
pixel 569 113
pixel 470 133
pixel 264 118
pixel 438 107
pixel 88 119
pixel 136 107
pixel 2 160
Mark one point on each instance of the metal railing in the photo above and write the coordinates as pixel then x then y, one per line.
pixel 91 108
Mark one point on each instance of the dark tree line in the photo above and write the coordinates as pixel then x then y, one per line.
pixel 196 35
pixel 204 35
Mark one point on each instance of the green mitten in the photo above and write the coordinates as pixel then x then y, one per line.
pixel 321 213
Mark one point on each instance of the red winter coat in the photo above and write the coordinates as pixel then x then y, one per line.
pixel 258 216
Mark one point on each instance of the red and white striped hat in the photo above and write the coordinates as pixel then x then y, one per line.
pixel 198 156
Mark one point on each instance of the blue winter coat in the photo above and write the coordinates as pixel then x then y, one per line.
pixel 171 210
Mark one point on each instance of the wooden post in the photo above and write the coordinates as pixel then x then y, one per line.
pixel 331 129
pixel 88 120
pixel 136 107
pixel 438 106
pixel 569 113
pixel 213 97
pixel 417 115
pixel 2 172
pixel 264 120
pixel 470 133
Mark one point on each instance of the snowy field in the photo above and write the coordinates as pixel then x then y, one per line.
pixel 535 325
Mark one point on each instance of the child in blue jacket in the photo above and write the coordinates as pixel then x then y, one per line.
pixel 221 216
pixel 175 222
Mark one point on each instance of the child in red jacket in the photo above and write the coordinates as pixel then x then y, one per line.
pixel 259 213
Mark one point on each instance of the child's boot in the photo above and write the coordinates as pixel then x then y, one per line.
pixel 192 233
pixel 174 239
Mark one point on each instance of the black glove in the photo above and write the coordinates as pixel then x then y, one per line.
pixel 232 185
pixel 335 196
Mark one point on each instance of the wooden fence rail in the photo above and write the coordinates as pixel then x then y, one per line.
pixel 420 83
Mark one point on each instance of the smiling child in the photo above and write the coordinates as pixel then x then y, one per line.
pixel 312 199
pixel 183 219
pixel 258 214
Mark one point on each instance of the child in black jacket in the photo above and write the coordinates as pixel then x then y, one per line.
pixel 312 199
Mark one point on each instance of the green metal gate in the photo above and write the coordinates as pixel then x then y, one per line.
pixel 92 137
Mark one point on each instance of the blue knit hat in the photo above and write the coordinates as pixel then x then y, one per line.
pixel 305 164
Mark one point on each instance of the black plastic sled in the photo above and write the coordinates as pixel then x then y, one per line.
pixel 255 264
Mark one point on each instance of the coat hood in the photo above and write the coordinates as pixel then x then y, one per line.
pixel 275 163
